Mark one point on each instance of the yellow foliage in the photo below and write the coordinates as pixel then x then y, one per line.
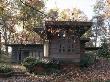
pixel 67 14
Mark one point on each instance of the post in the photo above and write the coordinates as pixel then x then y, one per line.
pixel 46 48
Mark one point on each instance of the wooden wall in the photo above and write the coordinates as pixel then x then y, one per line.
pixel 65 49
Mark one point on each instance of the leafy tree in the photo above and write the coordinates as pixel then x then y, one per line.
pixel 98 29
pixel 30 15
pixel 8 22
pixel 26 14
pixel 102 16
pixel 53 14
pixel 67 14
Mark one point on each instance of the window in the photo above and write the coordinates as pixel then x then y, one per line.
pixel 20 56
pixel 60 50
pixel 60 45
pixel 72 46
pixel 63 50
pixel 69 50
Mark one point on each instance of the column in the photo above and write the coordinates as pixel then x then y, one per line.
pixel 46 48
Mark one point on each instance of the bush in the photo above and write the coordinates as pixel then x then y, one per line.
pixel 52 64
pixel 29 62
pixel 37 65
pixel 87 60
pixel 52 67
pixel 4 58
pixel 5 68
pixel 107 81
pixel 104 50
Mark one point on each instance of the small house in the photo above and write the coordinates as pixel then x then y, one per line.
pixel 62 41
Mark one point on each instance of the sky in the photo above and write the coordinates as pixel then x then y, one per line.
pixel 84 5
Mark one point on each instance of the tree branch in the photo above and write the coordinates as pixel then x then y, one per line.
pixel 33 8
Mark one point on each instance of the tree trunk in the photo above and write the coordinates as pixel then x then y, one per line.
pixel 96 37
pixel 0 43
pixel 5 37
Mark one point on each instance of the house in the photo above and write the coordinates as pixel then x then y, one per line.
pixel 21 51
pixel 62 41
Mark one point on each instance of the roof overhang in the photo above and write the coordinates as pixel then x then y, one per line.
pixel 80 26
pixel 92 48
pixel 66 24
pixel 26 45
pixel 84 40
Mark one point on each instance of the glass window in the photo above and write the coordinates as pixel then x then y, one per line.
pixel 72 46
pixel 60 50
pixel 63 50
pixel 60 45
pixel 69 50
pixel 20 56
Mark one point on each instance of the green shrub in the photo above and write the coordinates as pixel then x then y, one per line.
pixel 4 58
pixel 107 81
pixel 104 50
pixel 5 68
pixel 29 62
pixel 87 60
pixel 32 64
pixel 53 65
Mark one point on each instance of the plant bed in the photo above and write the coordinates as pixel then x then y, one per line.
pixel 38 69
pixel 5 75
pixel 5 70
pixel 39 66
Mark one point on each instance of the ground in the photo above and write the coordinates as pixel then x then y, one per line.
pixel 98 72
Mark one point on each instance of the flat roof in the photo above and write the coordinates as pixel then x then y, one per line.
pixel 37 45
pixel 84 39
pixel 68 23
pixel 80 26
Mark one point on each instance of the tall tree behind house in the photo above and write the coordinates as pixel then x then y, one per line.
pixel 8 22
pixel 15 13
pixel 66 14
pixel 31 15
pixel 102 16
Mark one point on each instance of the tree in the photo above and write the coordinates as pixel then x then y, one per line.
pixel 98 29
pixel 8 22
pixel 31 15
pixel 15 13
pixel 102 14
pixel 53 14
pixel 67 14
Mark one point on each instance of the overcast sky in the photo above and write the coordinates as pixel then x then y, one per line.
pixel 85 5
